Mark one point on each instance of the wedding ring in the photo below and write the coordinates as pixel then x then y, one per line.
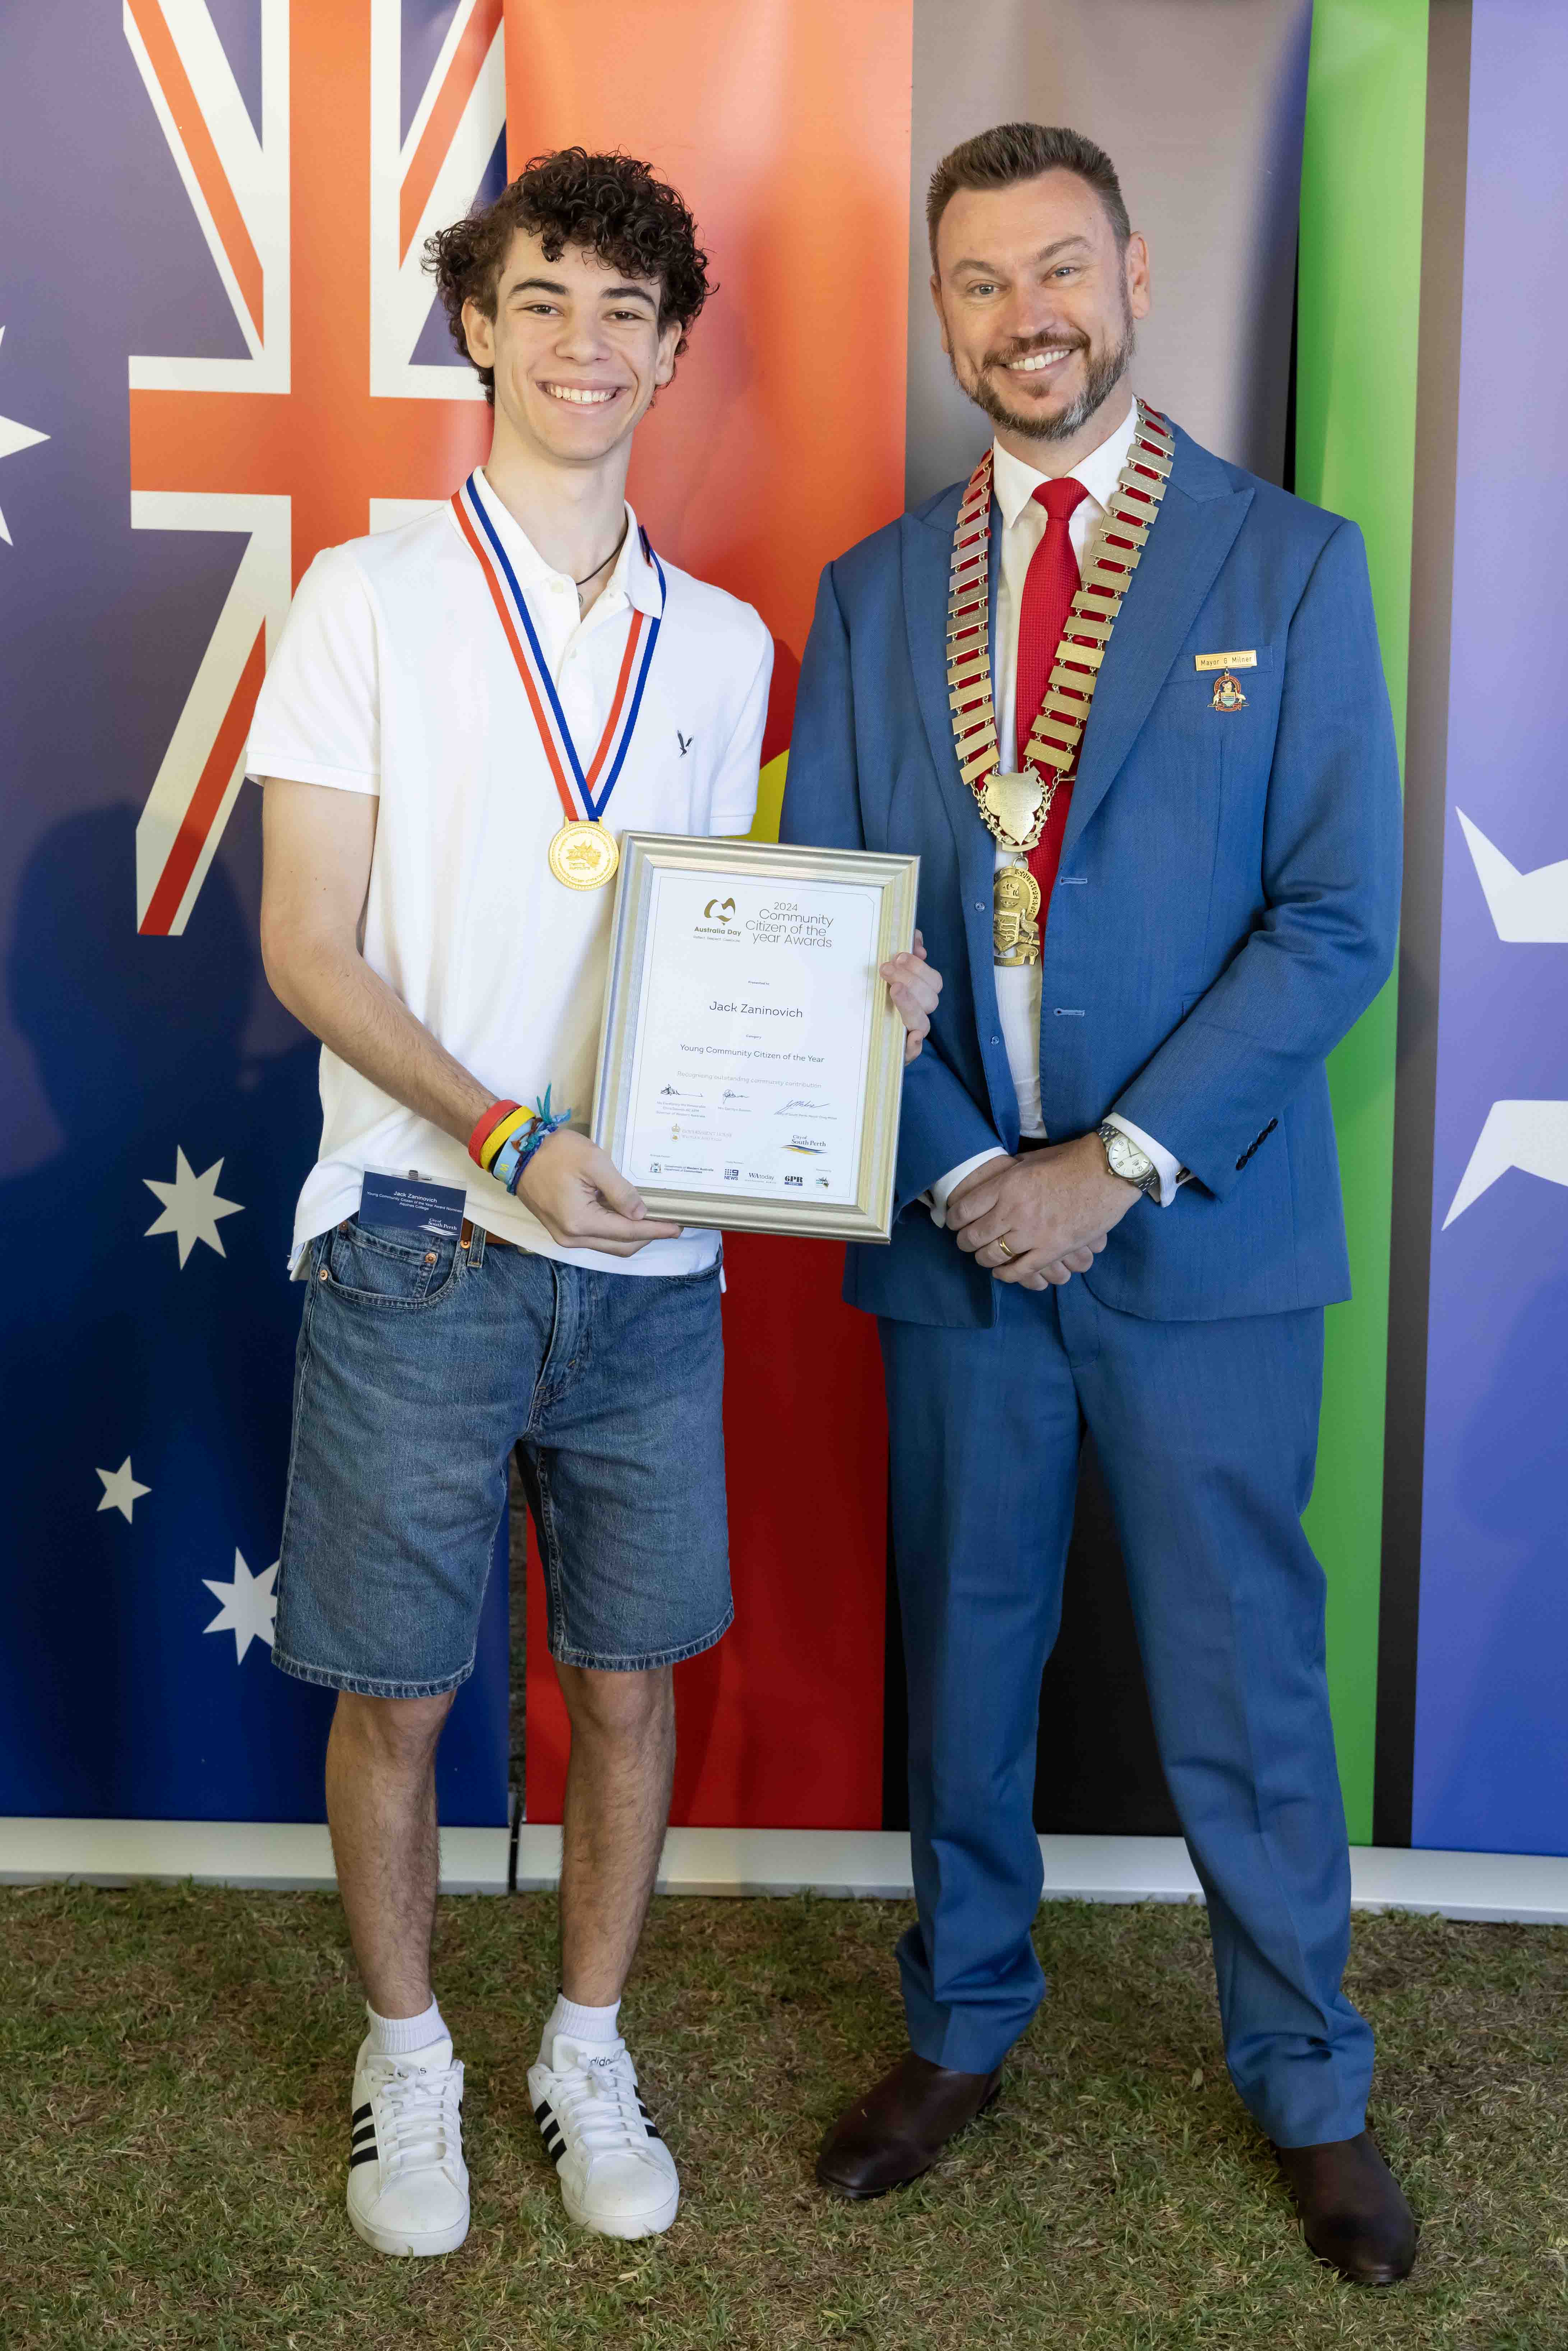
pixel 1003 1247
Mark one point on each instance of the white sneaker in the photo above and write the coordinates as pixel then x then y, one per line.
pixel 408 2184
pixel 616 2174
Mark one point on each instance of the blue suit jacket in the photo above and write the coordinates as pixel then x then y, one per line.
pixel 1227 904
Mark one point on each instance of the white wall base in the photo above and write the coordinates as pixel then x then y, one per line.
pixel 875 1861
pixel 275 1854
pixel 863 1862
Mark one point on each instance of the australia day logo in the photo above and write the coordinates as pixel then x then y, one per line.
pixel 719 918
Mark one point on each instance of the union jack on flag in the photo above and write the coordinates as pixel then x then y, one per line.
pixel 378 121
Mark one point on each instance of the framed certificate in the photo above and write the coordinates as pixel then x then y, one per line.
pixel 751 1061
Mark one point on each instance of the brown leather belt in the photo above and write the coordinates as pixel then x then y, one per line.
pixel 492 1240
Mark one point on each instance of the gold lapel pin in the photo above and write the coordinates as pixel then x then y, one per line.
pixel 1227 694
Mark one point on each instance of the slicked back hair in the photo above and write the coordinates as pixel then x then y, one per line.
pixel 1022 151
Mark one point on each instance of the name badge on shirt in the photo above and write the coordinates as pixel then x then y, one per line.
pixel 413 1204
pixel 1202 661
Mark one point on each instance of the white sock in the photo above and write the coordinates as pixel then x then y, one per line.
pixel 578 2023
pixel 396 2036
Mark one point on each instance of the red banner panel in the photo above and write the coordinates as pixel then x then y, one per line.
pixel 785 124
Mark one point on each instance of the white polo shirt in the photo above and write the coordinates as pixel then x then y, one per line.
pixel 393 677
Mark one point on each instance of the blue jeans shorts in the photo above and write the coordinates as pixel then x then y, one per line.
pixel 417 1373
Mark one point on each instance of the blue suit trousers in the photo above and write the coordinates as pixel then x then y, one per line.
pixel 1207 1435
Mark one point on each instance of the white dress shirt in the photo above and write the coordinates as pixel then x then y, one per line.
pixel 1023 526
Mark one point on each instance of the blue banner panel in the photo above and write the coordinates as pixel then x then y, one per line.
pixel 161 1108
pixel 1491 1744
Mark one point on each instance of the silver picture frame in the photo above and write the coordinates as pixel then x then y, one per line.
pixel 730 865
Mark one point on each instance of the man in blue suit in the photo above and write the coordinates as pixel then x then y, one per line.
pixel 1118 1204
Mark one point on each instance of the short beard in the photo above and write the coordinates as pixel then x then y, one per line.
pixel 1103 371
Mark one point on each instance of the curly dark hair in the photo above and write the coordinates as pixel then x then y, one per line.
pixel 611 205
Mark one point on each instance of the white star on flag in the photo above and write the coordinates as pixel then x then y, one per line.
pixel 249 1607
pixel 120 1490
pixel 14 436
pixel 190 1205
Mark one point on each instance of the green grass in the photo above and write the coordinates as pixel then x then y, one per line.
pixel 174 2075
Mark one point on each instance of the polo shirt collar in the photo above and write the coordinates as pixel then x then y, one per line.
pixel 1015 482
pixel 634 575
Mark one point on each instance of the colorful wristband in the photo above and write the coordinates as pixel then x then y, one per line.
pixel 500 1135
pixel 504 1165
pixel 484 1128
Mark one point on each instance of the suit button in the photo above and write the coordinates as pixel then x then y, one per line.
pixel 979 905
pixel 996 1040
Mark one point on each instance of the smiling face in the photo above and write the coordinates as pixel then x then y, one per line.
pixel 1037 305
pixel 576 348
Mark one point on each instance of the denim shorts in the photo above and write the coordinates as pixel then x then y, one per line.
pixel 418 1371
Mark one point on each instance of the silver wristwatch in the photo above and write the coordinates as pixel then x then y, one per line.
pixel 1124 1158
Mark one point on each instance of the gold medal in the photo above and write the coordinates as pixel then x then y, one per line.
pixel 584 856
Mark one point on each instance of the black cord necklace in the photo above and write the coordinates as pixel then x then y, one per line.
pixel 608 561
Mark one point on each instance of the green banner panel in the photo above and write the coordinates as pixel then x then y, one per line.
pixel 1355 452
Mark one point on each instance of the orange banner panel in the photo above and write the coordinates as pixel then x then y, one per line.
pixel 785 125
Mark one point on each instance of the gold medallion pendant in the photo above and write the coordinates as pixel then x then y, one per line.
pixel 1227 694
pixel 1017 807
pixel 584 856
pixel 1015 917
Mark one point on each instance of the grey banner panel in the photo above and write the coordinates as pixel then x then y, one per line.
pixel 1199 103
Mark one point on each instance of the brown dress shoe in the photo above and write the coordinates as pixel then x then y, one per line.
pixel 899 2129
pixel 1353 2210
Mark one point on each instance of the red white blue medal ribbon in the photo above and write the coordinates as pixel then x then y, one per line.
pixel 584 796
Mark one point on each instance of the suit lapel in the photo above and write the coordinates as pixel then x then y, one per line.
pixel 927 548
pixel 1198 520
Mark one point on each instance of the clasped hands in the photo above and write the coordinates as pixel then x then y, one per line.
pixel 1041 1218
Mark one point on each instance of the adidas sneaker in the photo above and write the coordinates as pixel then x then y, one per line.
pixel 408 2185
pixel 616 2174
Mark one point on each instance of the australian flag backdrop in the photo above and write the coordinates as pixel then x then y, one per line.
pixel 219 353
pixel 195 394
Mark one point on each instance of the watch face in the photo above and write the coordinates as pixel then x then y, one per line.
pixel 1125 1158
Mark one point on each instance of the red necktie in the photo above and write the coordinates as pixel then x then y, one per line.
pixel 1049 587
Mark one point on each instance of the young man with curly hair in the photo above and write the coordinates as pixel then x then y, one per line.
pixel 459 717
